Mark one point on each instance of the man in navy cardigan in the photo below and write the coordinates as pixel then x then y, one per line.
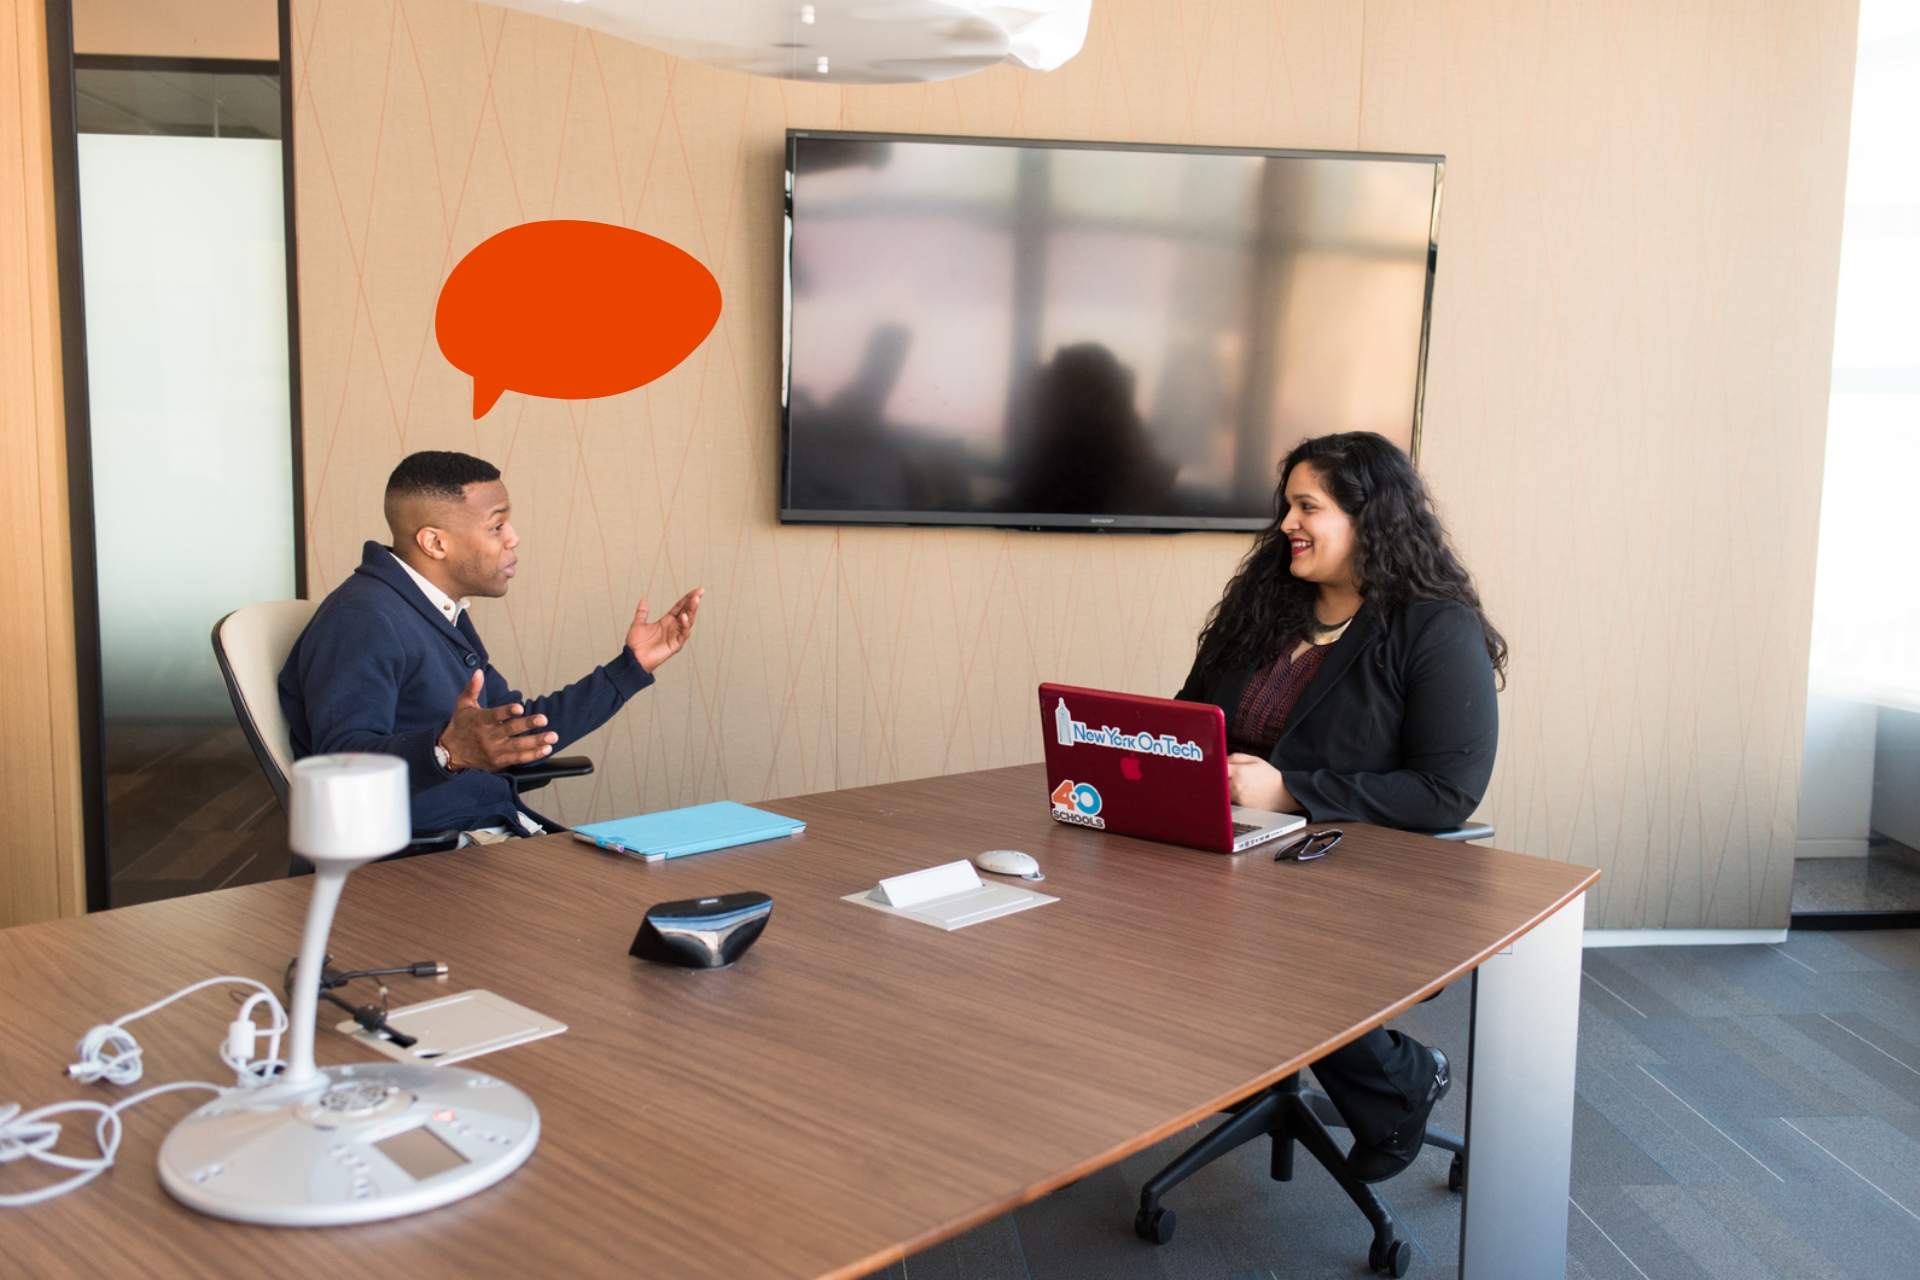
pixel 391 662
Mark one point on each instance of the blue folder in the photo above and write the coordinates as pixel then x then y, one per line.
pixel 675 833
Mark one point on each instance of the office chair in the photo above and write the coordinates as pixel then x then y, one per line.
pixel 252 645
pixel 1289 1112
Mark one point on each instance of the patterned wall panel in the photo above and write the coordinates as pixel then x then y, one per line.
pixel 1632 335
pixel 1625 411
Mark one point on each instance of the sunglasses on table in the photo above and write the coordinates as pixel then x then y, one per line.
pixel 1308 845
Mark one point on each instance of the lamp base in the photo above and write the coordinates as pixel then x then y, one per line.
pixel 352 1144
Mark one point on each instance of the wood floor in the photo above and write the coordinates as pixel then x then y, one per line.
pixel 187 810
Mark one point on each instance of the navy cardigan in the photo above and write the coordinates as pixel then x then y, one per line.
pixel 378 669
pixel 1398 727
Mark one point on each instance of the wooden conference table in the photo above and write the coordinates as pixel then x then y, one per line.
pixel 839 1098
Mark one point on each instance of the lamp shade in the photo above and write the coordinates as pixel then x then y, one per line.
pixel 840 41
pixel 349 807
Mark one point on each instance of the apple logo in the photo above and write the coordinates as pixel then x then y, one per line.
pixel 1130 768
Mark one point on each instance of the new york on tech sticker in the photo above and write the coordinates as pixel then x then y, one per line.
pixel 1073 733
pixel 1078 802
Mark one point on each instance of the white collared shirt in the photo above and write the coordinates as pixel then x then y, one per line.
pixel 449 608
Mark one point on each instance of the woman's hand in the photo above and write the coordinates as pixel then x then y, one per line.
pixel 1255 784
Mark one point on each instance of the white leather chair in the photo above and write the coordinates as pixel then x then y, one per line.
pixel 252 645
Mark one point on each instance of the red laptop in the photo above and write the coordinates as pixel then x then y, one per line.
pixel 1147 767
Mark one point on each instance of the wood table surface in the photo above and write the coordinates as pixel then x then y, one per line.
pixel 858 1087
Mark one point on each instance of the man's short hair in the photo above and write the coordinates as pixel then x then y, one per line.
pixel 436 473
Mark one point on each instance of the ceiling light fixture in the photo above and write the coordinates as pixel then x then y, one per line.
pixel 848 41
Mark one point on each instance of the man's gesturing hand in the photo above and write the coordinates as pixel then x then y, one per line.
pixel 492 737
pixel 654 642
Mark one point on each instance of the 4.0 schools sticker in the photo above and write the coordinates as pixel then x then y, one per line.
pixel 1078 802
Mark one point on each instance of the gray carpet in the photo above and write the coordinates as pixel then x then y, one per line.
pixel 1887 879
pixel 1748 1112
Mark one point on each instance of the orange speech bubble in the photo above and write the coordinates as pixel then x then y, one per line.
pixel 572 311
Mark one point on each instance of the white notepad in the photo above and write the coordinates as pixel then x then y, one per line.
pixel 950 896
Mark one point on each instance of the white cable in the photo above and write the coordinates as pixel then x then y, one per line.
pixel 33 1135
pixel 237 1050
pixel 109 1052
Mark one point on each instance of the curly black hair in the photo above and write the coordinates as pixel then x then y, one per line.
pixel 1400 556
pixel 440 474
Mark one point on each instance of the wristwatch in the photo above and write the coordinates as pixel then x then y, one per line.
pixel 442 758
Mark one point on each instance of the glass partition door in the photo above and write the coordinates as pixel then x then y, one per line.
pixel 183 244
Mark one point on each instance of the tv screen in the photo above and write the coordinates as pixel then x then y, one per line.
pixel 1066 335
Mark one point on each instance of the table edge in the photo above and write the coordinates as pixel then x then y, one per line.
pixel 1046 1186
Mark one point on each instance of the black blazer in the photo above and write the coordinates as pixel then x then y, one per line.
pixel 1398 727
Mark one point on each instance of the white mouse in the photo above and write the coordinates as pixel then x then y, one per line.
pixel 1009 862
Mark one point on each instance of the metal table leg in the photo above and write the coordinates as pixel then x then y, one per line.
pixel 1526 1025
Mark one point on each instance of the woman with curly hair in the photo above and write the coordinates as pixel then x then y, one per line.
pixel 1356 669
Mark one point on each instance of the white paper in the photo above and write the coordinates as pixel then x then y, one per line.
pixel 917 888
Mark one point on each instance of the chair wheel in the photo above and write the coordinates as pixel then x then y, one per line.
pixel 1392 1260
pixel 1456 1173
pixel 1155 1226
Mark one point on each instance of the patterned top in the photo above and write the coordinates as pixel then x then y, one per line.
pixel 1269 699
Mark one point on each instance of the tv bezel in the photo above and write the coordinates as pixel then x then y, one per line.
pixel 1063 521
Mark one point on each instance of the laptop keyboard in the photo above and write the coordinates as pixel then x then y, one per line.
pixel 1241 828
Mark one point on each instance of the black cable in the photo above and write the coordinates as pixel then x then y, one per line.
pixel 374 1019
pixel 333 978
pixel 419 969
pixel 371 1017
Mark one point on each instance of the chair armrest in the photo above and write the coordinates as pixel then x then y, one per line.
pixel 531 777
pixel 425 842
pixel 1472 831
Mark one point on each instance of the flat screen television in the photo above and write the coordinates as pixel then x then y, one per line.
pixel 991 331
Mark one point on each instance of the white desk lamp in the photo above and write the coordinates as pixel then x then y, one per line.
pixel 355 1143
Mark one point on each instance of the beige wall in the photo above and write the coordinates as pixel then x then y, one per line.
pixel 41 874
pixel 178 28
pixel 1625 411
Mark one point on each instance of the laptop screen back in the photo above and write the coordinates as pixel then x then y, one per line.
pixel 1148 767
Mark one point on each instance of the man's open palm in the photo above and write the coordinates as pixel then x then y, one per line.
pixel 480 737
pixel 654 642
